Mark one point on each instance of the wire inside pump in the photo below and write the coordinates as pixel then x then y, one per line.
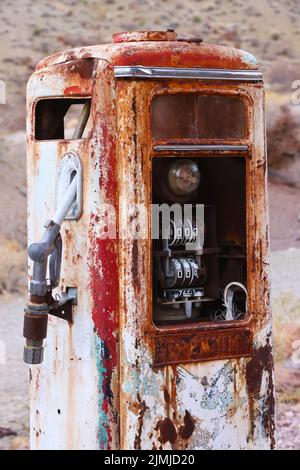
pixel 232 312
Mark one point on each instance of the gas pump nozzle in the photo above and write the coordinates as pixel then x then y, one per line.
pixel 36 313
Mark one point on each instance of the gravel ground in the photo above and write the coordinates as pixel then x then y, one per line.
pixel 285 278
pixel 288 427
pixel 14 397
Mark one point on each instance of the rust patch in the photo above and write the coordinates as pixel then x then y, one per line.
pixel 169 392
pixel 137 36
pixel 142 410
pixel 72 90
pixel 187 429
pixel 174 432
pixel 181 54
pixel 167 431
pixel 135 262
pixel 262 361
pixel 158 48
pixel 167 396
pixel 174 382
pixel 83 68
pixel 204 381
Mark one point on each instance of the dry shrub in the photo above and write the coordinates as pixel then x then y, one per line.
pixel 287 381
pixel 283 139
pixel 13 262
pixel 19 443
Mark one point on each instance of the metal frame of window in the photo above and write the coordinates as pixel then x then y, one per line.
pixel 139 71
pixel 204 148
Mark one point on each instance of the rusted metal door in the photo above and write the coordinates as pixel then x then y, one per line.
pixel 207 386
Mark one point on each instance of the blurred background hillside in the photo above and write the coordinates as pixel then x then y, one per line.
pixel 270 29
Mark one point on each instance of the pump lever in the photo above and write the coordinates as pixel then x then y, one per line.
pixel 51 244
pixel 55 263
pixel 65 205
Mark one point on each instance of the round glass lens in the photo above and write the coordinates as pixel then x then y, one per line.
pixel 184 177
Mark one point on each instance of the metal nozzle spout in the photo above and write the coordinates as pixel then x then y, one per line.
pixel 35 331
pixel 33 352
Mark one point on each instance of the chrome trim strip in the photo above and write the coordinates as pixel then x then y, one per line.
pixel 205 148
pixel 139 71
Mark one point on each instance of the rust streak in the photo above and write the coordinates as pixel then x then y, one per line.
pixel 187 429
pixel 262 361
pixel 167 431
pixel 142 410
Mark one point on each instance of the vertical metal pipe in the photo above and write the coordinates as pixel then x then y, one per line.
pixel 82 121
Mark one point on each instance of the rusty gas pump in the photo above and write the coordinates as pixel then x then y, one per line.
pixel 153 273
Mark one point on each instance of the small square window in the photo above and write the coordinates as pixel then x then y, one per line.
pixel 59 118
pixel 195 116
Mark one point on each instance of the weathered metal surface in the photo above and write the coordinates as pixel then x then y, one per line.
pixel 137 36
pixel 160 54
pixel 98 387
pixel 204 346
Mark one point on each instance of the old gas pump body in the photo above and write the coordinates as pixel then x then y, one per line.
pixel 147 357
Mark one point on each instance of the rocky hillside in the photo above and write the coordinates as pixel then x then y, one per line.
pixel 32 30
